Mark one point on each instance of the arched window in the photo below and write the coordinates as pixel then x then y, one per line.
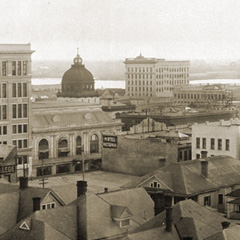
pixel 78 145
pixel 94 144
pixel 63 149
pixel 43 149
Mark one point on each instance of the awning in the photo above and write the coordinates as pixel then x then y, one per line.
pixel 43 150
pixel 235 201
pixel 64 149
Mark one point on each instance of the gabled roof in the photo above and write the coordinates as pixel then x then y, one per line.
pixel 190 219
pixel 39 230
pixel 120 212
pixel 184 178
pixel 8 210
pixel 26 202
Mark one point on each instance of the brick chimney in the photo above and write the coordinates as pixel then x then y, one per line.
pixel 225 224
pixel 169 219
pixel 81 188
pixel 204 168
pixel 36 204
pixel 23 182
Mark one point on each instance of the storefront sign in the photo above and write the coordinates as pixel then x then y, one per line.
pixel 109 141
pixel 7 169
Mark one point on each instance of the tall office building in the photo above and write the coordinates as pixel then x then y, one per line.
pixel 15 105
pixel 153 77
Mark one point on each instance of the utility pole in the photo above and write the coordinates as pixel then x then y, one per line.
pixel 83 170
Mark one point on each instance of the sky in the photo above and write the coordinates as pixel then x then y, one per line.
pixel 119 29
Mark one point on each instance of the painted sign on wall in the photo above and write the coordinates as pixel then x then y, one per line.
pixel 109 141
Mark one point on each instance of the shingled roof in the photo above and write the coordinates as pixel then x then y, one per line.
pixel 185 178
pixel 189 219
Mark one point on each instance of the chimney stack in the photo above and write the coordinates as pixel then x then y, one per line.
pixel 169 219
pixel 204 168
pixel 105 189
pixel 81 188
pixel 36 204
pixel 162 162
pixel 225 224
pixel 23 182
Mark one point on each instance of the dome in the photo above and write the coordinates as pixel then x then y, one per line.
pixel 77 73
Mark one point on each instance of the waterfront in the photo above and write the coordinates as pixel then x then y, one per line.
pixel 121 83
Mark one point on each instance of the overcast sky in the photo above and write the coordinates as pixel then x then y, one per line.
pixel 116 29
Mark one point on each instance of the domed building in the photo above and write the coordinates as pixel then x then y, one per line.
pixel 77 82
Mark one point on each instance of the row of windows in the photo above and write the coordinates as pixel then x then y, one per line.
pixel 179 69
pixel 172 76
pixel 19 68
pixel 136 76
pixel 212 143
pixel 20 128
pixel 19 90
pixel 3 112
pixel 141 89
pixel 21 143
pixel 199 96
pixel 4 142
pixel 3 130
pixel 48 205
pixel 139 82
pixel 172 82
pixel 19 111
pixel 140 94
pixel 207 200
pixel 22 160
pixel 140 69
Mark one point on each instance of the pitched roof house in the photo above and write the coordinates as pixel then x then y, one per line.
pixel 109 215
pixel 187 220
pixel 207 181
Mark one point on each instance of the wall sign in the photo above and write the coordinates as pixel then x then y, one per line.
pixel 109 141
pixel 7 169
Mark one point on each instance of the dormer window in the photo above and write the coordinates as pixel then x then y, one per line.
pixel 48 205
pixel 125 223
pixel 155 184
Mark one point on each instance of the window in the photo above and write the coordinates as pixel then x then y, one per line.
pixel 212 143
pixel 207 201
pixel 4 111
pixel 14 66
pixel 25 128
pixel 14 129
pixel 14 90
pixel 24 89
pixel 198 143
pixel 43 149
pixel 155 184
pixel 19 90
pixel 19 68
pixel 48 205
pixel 198 156
pixel 19 143
pixel 219 144
pixel 94 144
pixel 19 110
pixel 4 90
pixel 4 130
pixel 220 198
pixel 25 68
pixel 125 223
pixel 4 68
pixel 25 110
pixel 227 144
pixel 22 160
pixel 204 143
pixel 19 128
pixel 41 171
pixel 14 111
pixel 25 145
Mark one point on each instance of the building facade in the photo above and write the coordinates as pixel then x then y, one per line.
pixel 153 77
pixel 15 93
pixel 210 95
pixel 68 136
pixel 216 138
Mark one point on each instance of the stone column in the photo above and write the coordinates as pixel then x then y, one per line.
pixel 86 143
pixel 71 144
pixel 51 147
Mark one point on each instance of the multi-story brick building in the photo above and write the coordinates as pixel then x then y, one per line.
pixel 15 105
pixel 216 138
pixel 153 77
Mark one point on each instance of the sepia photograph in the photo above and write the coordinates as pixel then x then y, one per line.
pixel 119 120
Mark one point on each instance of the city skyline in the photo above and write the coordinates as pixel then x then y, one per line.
pixel 111 30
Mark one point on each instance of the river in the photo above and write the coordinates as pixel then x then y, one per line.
pixel 121 83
